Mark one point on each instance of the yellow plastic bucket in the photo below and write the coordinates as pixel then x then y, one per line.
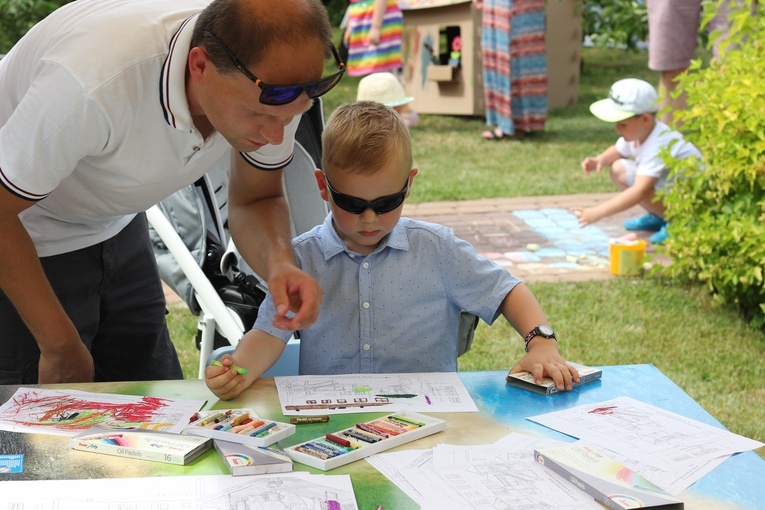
pixel 627 258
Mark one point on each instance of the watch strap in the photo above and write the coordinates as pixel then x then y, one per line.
pixel 535 333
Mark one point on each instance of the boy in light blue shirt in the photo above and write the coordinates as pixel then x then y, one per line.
pixel 393 287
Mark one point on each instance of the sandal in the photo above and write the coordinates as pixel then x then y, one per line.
pixel 494 134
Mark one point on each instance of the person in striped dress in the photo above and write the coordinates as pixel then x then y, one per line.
pixel 373 36
pixel 514 67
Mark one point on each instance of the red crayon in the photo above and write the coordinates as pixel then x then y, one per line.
pixel 338 440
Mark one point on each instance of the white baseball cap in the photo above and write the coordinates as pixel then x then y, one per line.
pixel 382 88
pixel 627 98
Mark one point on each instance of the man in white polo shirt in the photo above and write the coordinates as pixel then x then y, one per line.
pixel 107 107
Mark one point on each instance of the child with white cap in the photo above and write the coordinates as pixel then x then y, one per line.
pixel 385 88
pixel 637 167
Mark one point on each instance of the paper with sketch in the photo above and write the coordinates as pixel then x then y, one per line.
pixel 285 490
pixel 673 481
pixel 69 412
pixel 435 392
pixel 502 474
pixel 668 449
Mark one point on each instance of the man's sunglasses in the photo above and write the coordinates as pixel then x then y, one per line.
pixel 276 95
pixel 355 205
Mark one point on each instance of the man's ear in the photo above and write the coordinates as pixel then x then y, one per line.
pixel 321 181
pixel 198 62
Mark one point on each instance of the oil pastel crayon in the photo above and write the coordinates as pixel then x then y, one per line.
pixel 211 419
pixel 309 419
pixel 406 419
pixel 304 448
pixel 371 429
pixel 239 370
pixel 367 438
pixel 264 428
pixel 338 440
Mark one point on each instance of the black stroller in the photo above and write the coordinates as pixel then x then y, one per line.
pixel 197 259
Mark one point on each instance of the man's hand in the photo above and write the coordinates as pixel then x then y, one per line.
pixel 297 292
pixel 68 362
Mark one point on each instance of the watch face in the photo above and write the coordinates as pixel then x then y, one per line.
pixel 546 331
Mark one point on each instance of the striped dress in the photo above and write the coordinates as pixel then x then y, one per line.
pixel 514 64
pixel 364 59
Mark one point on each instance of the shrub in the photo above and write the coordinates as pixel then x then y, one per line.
pixel 18 16
pixel 717 206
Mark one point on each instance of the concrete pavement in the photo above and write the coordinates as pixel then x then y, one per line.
pixel 535 238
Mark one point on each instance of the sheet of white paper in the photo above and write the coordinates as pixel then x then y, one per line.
pixel 69 412
pixel 503 475
pixel 652 438
pixel 287 490
pixel 673 481
pixel 435 392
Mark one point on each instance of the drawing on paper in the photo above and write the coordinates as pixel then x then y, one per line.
pixel 296 491
pixel 71 412
pixel 435 392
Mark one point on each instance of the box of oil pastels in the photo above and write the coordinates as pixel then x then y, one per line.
pixel 239 426
pixel 364 439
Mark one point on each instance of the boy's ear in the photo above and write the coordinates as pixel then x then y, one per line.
pixel 321 181
pixel 412 173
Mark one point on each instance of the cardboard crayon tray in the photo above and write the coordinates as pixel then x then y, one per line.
pixel 239 426
pixel 355 443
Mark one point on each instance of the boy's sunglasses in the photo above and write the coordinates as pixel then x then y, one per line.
pixel 276 95
pixel 355 205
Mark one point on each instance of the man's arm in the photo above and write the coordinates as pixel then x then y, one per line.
pixel 63 356
pixel 259 222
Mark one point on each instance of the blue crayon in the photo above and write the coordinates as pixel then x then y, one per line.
pixel 262 429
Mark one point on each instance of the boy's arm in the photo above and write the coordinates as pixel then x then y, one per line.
pixel 640 191
pixel 523 312
pixel 602 160
pixel 257 351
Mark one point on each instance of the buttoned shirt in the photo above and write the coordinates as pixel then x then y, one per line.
pixel 396 309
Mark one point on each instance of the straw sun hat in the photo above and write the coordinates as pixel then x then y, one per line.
pixel 382 88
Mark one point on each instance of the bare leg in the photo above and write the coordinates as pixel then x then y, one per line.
pixel 667 86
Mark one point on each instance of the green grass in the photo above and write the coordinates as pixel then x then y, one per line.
pixel 706 349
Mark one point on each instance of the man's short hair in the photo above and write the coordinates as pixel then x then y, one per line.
pixel 249 28
pixel 361 137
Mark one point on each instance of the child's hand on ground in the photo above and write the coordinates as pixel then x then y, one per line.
pixel 223 380
pixel 587 216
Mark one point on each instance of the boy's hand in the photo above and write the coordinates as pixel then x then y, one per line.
pixel 591 165
pixel 543 359
pixel 587 216
pixel 223 380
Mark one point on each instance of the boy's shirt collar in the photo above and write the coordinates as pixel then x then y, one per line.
pixel 332 245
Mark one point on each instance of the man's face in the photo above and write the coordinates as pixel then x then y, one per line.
pixel 230 101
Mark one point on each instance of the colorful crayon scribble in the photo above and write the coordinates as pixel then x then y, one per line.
pixel 69 412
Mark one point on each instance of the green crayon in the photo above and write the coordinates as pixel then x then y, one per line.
pixel 239 370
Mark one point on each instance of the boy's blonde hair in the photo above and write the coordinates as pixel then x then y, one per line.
pixel 361 137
